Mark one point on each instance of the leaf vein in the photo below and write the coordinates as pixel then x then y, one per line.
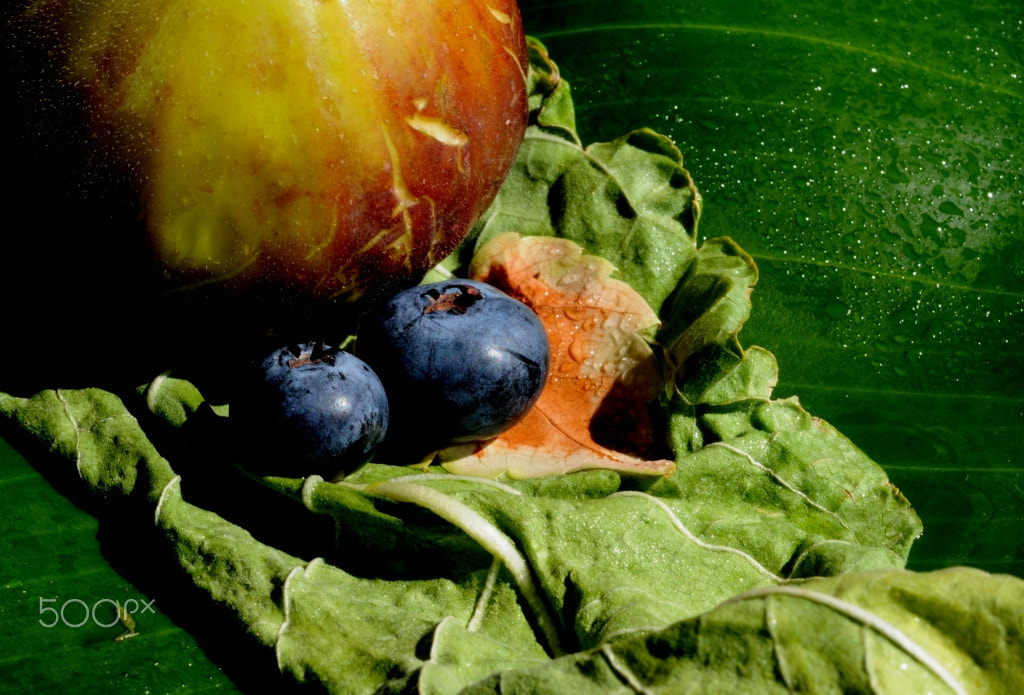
pixel 681 527
pixel 776 34
pixel 866 618
pixel 874 272
pixel 780 480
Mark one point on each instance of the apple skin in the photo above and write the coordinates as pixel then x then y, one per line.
pixel 304 150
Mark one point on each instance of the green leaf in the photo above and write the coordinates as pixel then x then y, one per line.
pixel 93 429
pixel 788 489
pixel 323 624
pixel 955 631
pixel 172 399
pixel 704 316
pixel 459 656
pixel 536 569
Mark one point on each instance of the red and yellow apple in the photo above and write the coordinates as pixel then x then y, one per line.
pixel 318 148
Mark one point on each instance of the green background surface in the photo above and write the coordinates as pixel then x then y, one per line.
pixel 866 154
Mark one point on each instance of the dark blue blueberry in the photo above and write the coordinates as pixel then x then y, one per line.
pixel 461 361
pixel 308 409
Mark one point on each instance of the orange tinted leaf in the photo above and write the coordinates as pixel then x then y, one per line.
pixel 593 412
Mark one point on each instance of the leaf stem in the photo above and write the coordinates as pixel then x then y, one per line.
pixel 433 477
pixel 485 596
pixel 489 536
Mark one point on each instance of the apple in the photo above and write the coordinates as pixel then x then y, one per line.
pixel 304 149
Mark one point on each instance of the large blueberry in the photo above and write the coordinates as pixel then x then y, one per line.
pixel 309 408
pixel 461 361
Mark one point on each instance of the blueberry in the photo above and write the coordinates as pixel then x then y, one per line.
pixel 306 409
pixel 461 361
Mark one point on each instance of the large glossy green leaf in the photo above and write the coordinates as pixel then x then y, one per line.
pixel 869 157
